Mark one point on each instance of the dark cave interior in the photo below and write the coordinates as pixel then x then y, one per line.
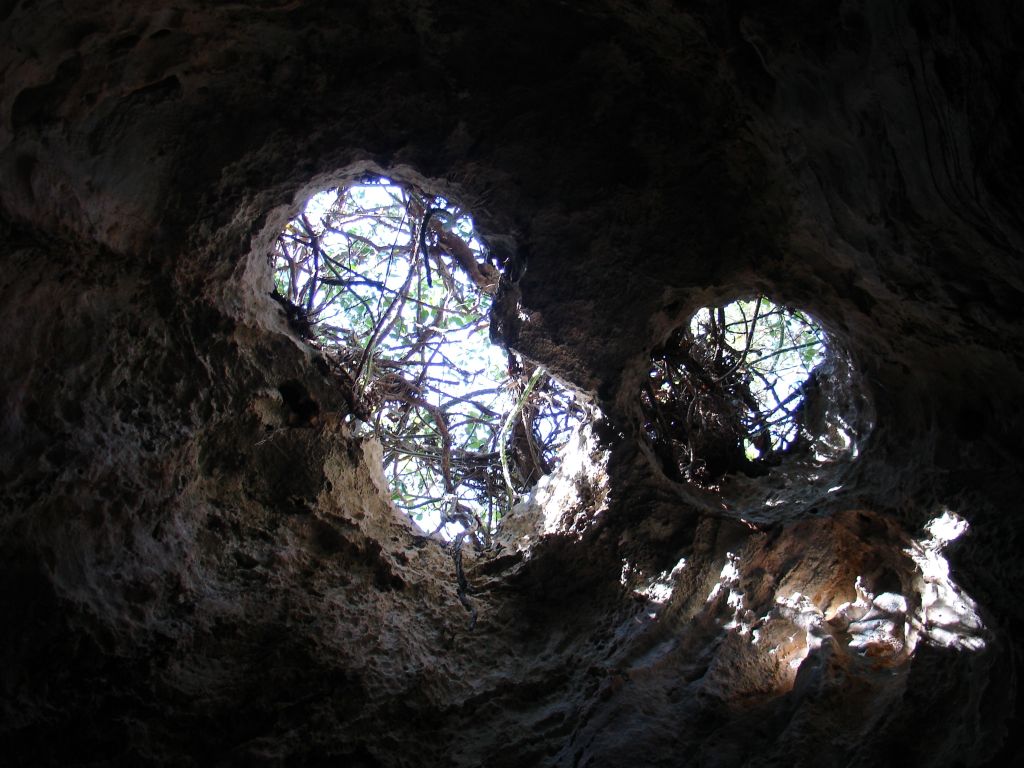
pixel 199 561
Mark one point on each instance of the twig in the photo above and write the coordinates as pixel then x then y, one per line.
pixel 746 349
pixel 460 579
pixel 502 436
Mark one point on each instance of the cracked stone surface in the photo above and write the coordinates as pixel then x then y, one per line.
pixel 199 563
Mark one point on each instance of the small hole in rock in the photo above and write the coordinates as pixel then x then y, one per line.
pixel 744 386
pixel 302 408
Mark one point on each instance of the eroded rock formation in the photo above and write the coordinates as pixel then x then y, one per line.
pixel 198 561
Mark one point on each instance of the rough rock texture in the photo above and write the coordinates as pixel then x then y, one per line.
pixel 197 562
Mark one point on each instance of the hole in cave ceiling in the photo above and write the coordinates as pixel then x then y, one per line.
pixel 395 287
pixel 743 387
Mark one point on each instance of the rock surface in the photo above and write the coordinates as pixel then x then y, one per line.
pixel 198 562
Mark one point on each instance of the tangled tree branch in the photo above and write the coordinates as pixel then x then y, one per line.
pixel 358 271
pixel 724 394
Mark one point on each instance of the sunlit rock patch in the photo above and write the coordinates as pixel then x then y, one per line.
pixel 873 607
pixel 569 500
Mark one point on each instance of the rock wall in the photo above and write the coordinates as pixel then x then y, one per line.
pixel 198 561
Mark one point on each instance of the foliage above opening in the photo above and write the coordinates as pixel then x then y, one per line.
pixel 396 288
pixel 742 386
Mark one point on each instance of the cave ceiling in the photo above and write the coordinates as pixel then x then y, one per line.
pixel 195 571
